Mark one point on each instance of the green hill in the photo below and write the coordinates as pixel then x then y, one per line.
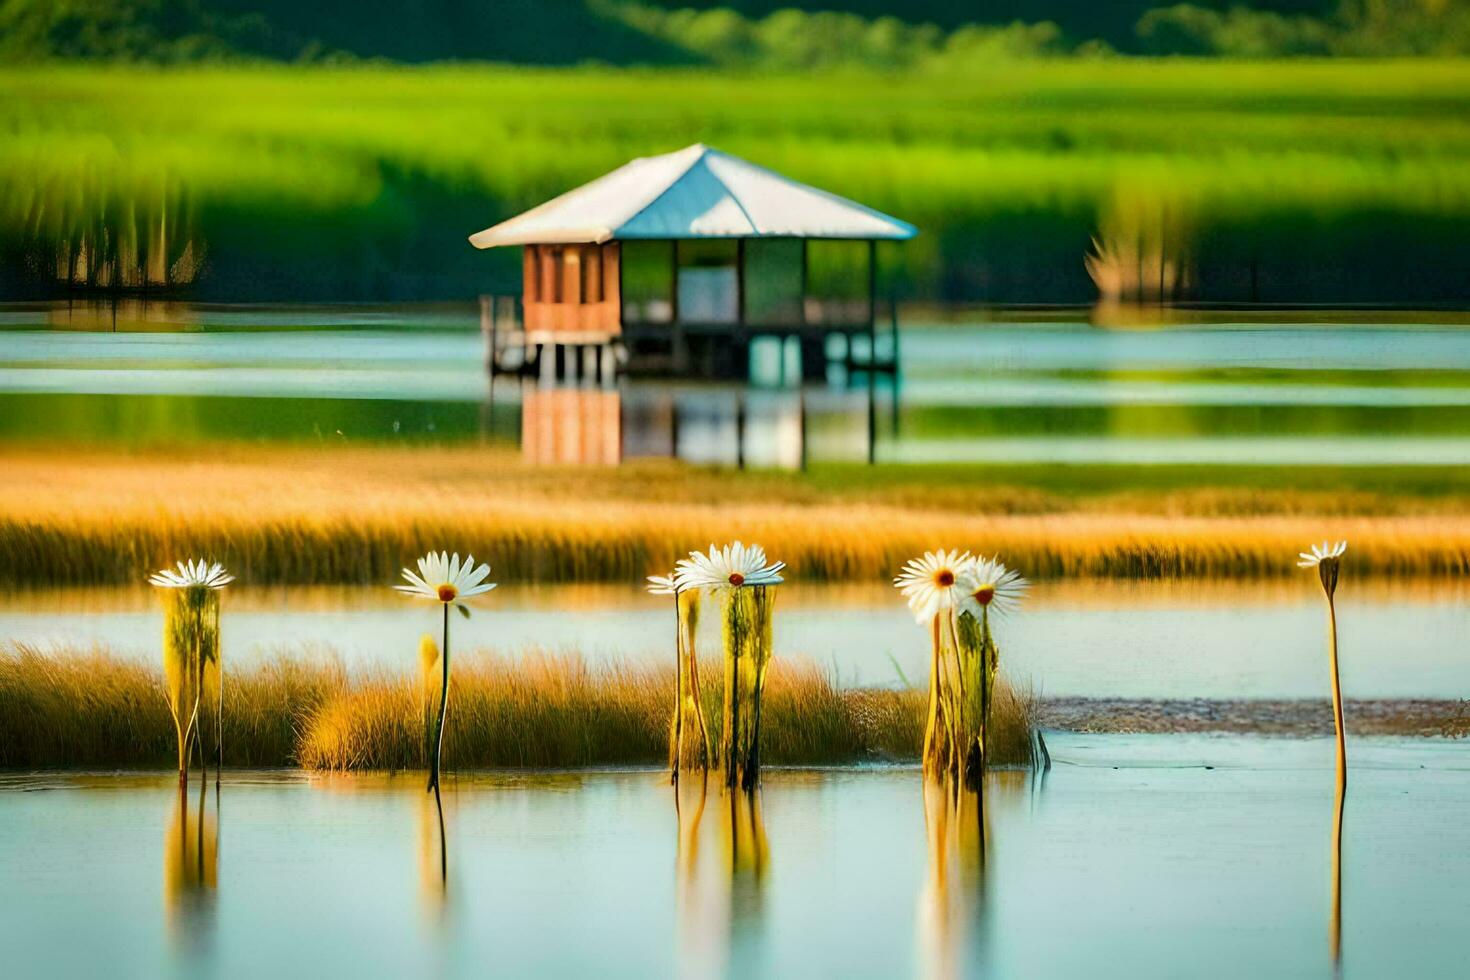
pixel 1112 21
pixel 438 30
pixel 775 33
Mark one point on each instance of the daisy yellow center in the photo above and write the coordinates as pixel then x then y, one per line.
pixel 736 578
pixel 984 594
pixel 944 579
pixel 447 593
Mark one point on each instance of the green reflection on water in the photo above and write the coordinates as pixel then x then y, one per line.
pixel 150 420
pixel 1175 420
pixel 144 420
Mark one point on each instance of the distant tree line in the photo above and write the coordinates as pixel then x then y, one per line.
pixel 1362 28
pixel 773 34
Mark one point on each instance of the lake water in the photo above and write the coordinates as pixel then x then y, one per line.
pixel 1134 857
pixel 1395 391
pixel 1194 639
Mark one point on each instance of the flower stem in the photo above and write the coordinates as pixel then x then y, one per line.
pixel 761 599
pixel 443 709
pixel 1335 927
pixel 677 749
pixel 931 723
pixel 443 841
pixel 690 621
pixel 959 699
pixel 731 750
pixel 988 657
pixel 1336 695
pixel 191 731
pixel 219 718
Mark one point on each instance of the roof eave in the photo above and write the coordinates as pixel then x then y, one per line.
pixel 490 238
pixel 495 238
pixel 898 235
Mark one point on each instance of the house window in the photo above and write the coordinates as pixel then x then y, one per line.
pixel 709 281
pixel 773 281
pixel 648 282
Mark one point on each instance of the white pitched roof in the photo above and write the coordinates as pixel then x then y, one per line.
pixel 696 192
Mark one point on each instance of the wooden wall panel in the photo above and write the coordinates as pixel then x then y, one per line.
pixel 572 289
pixel 530 280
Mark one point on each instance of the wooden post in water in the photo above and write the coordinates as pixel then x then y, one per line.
pixel 739 431
pixel 489 332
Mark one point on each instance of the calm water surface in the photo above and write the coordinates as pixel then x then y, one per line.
pixel 1071 638
pixel 1372 393
pixel 1130 859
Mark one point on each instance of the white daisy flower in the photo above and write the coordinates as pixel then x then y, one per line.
pixel 663 585
pixel 730 567
pixel 446 579
pixel 931 584
pixel 192 574
pixel 988 584
pixel 1320 553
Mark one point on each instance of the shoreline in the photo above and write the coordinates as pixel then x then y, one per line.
pixel 1446 718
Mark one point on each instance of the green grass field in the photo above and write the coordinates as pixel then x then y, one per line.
pixel 335 178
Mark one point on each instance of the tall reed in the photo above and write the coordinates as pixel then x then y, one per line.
pixel 428 661
pixel 953 594
pixel 746 630
pixel 742 578
pixel 190 632
pixel 932 587
pixel 987 588
pixel 689 742
pixel 191 658
pixel 978 658
pixel 690 690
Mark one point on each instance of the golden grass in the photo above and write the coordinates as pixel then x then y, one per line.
pixel 89 708
pixel 277 515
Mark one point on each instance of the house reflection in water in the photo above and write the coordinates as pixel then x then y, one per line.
pixel 725 425
pixel 570 426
